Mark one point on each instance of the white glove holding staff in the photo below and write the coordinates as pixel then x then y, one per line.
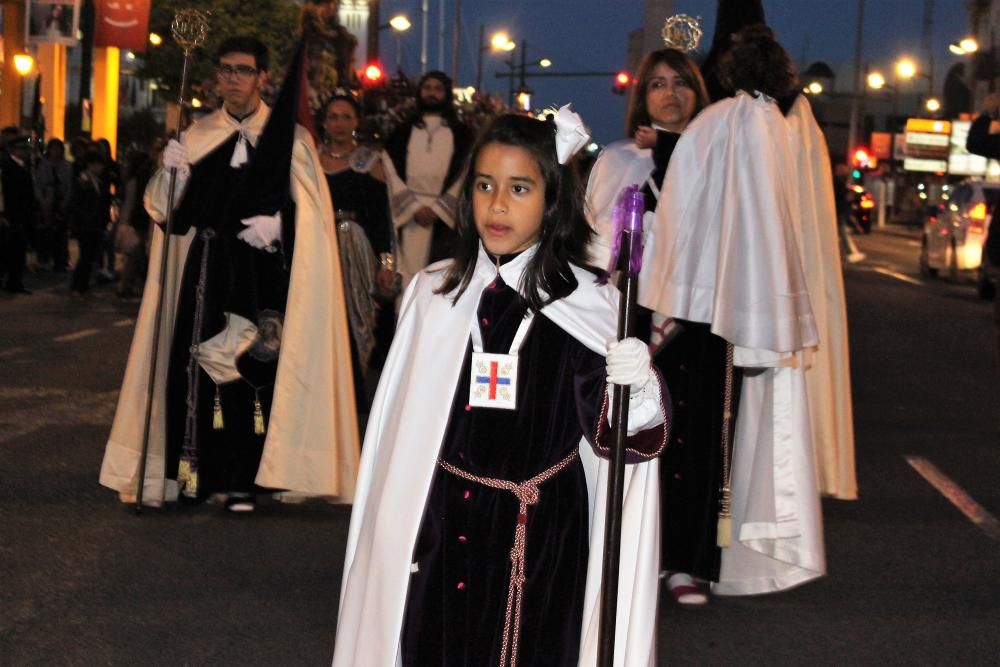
pixel 175 156
pixel 262 231
pixel 628 363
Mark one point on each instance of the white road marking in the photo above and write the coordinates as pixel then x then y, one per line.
pixel 898 276
pixel 975 512
pixel 913 244
pixel 76 335
pixel 41 407
pixel 123 323
pixel 12 352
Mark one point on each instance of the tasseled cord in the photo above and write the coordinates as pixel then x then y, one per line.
pixel 218 423
pixel 258 415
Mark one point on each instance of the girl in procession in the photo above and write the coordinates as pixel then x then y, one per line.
pixel 476 536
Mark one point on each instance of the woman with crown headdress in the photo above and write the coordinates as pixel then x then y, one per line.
pixel 669 92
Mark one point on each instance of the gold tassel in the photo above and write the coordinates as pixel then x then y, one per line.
pixel 218 423
pixel 724 531
pixel 258 415
pixel 187 479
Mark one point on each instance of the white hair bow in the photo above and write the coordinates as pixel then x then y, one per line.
pixel 571 133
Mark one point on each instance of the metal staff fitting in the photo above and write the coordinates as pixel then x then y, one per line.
pixel 190 30
pixel 629 227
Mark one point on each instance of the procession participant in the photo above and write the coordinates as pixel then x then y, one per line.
pixel 729 221
pixel 668 93
pixel 357 186
pixel 483 435
pixel 731 16
pixel 253 367
pixel 828 366
pixel 18 208
pixel 427 156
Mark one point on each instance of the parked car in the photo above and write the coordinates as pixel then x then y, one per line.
pixel 955 232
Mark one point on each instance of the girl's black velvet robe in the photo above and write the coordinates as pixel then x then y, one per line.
pixel 457 599
pixel 240 279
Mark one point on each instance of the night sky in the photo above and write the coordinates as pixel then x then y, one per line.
pixel 592 35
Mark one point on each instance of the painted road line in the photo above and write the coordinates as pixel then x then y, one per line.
pixel 12 352
pixel 76 335
pixel 123 323
pixel 913 244
pixel 898 276
pixel 975 512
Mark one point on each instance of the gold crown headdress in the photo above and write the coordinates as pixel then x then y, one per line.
pixel 682 32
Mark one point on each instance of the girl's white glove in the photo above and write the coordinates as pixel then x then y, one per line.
pixel 628 362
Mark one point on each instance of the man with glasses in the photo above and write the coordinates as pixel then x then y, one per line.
pixel 254 346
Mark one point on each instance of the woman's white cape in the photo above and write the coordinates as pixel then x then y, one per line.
pixel 828 376
pixel 312 434
pixel 407 425
pixel 724 250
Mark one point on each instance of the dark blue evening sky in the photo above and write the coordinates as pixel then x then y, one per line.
pixel 590 35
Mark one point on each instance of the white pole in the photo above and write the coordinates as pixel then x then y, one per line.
pixel 441 35
pixel 425 10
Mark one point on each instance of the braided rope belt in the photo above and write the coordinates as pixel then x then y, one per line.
pixel 527 493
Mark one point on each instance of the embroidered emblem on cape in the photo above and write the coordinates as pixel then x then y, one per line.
pixel 493 381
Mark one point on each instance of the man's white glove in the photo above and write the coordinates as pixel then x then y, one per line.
pixel 175 156
pixel 628 363
pixel 262 231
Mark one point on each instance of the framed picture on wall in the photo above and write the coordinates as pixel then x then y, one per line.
pixel 52 21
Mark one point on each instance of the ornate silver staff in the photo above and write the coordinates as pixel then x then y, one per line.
pixel 189 29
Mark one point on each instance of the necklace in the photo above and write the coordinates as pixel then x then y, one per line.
pixel 341 155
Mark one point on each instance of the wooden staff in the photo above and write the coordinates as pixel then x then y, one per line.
pixel 189 29
pixel 631 207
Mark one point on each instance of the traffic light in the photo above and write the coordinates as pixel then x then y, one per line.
pixel 622 81
pixel 373 76
pixel 862 158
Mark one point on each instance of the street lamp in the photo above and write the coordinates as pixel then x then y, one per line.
pixel 906 68
pixel 814 88
pixel 399 24
pixel 964 47
pixel 876 81
pixel 24 63
pixel 155 39
pixel 545 62
pixel 499 41
pixel 933 104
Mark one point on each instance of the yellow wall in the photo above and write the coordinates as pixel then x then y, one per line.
pixel 52 66
pixel 106 69
pixel 10 82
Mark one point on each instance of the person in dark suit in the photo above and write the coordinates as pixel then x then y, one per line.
pixel 19 208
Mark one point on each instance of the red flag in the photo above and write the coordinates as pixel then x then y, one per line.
pixel 121 23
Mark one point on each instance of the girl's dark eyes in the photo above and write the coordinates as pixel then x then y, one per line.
pixel 482 186
pixel 519 189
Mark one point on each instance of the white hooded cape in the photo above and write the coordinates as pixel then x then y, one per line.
pixel 312 434
pixel 828 377
pixel 724 250
pixel 407 425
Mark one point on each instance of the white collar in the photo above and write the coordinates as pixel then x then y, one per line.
pixel 511 272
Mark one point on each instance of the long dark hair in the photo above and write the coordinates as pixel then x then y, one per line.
pixel 565 232
pixel 757 62
pixel 638 114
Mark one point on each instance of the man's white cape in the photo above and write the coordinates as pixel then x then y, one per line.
pixel 828 377
pixel 405 431
pixel 312 434
pixel 724 250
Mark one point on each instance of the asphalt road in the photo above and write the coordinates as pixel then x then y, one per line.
pixel 85 582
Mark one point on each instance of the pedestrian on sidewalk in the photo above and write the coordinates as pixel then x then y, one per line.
pixel 497 497
pixel 53 187
pixel 89 209
pixel 19 214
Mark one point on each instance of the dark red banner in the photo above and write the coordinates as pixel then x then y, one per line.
pixel 121 23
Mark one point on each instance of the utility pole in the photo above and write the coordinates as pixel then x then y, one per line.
pixel 456 32
pixel 852 132
pixel 425 11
